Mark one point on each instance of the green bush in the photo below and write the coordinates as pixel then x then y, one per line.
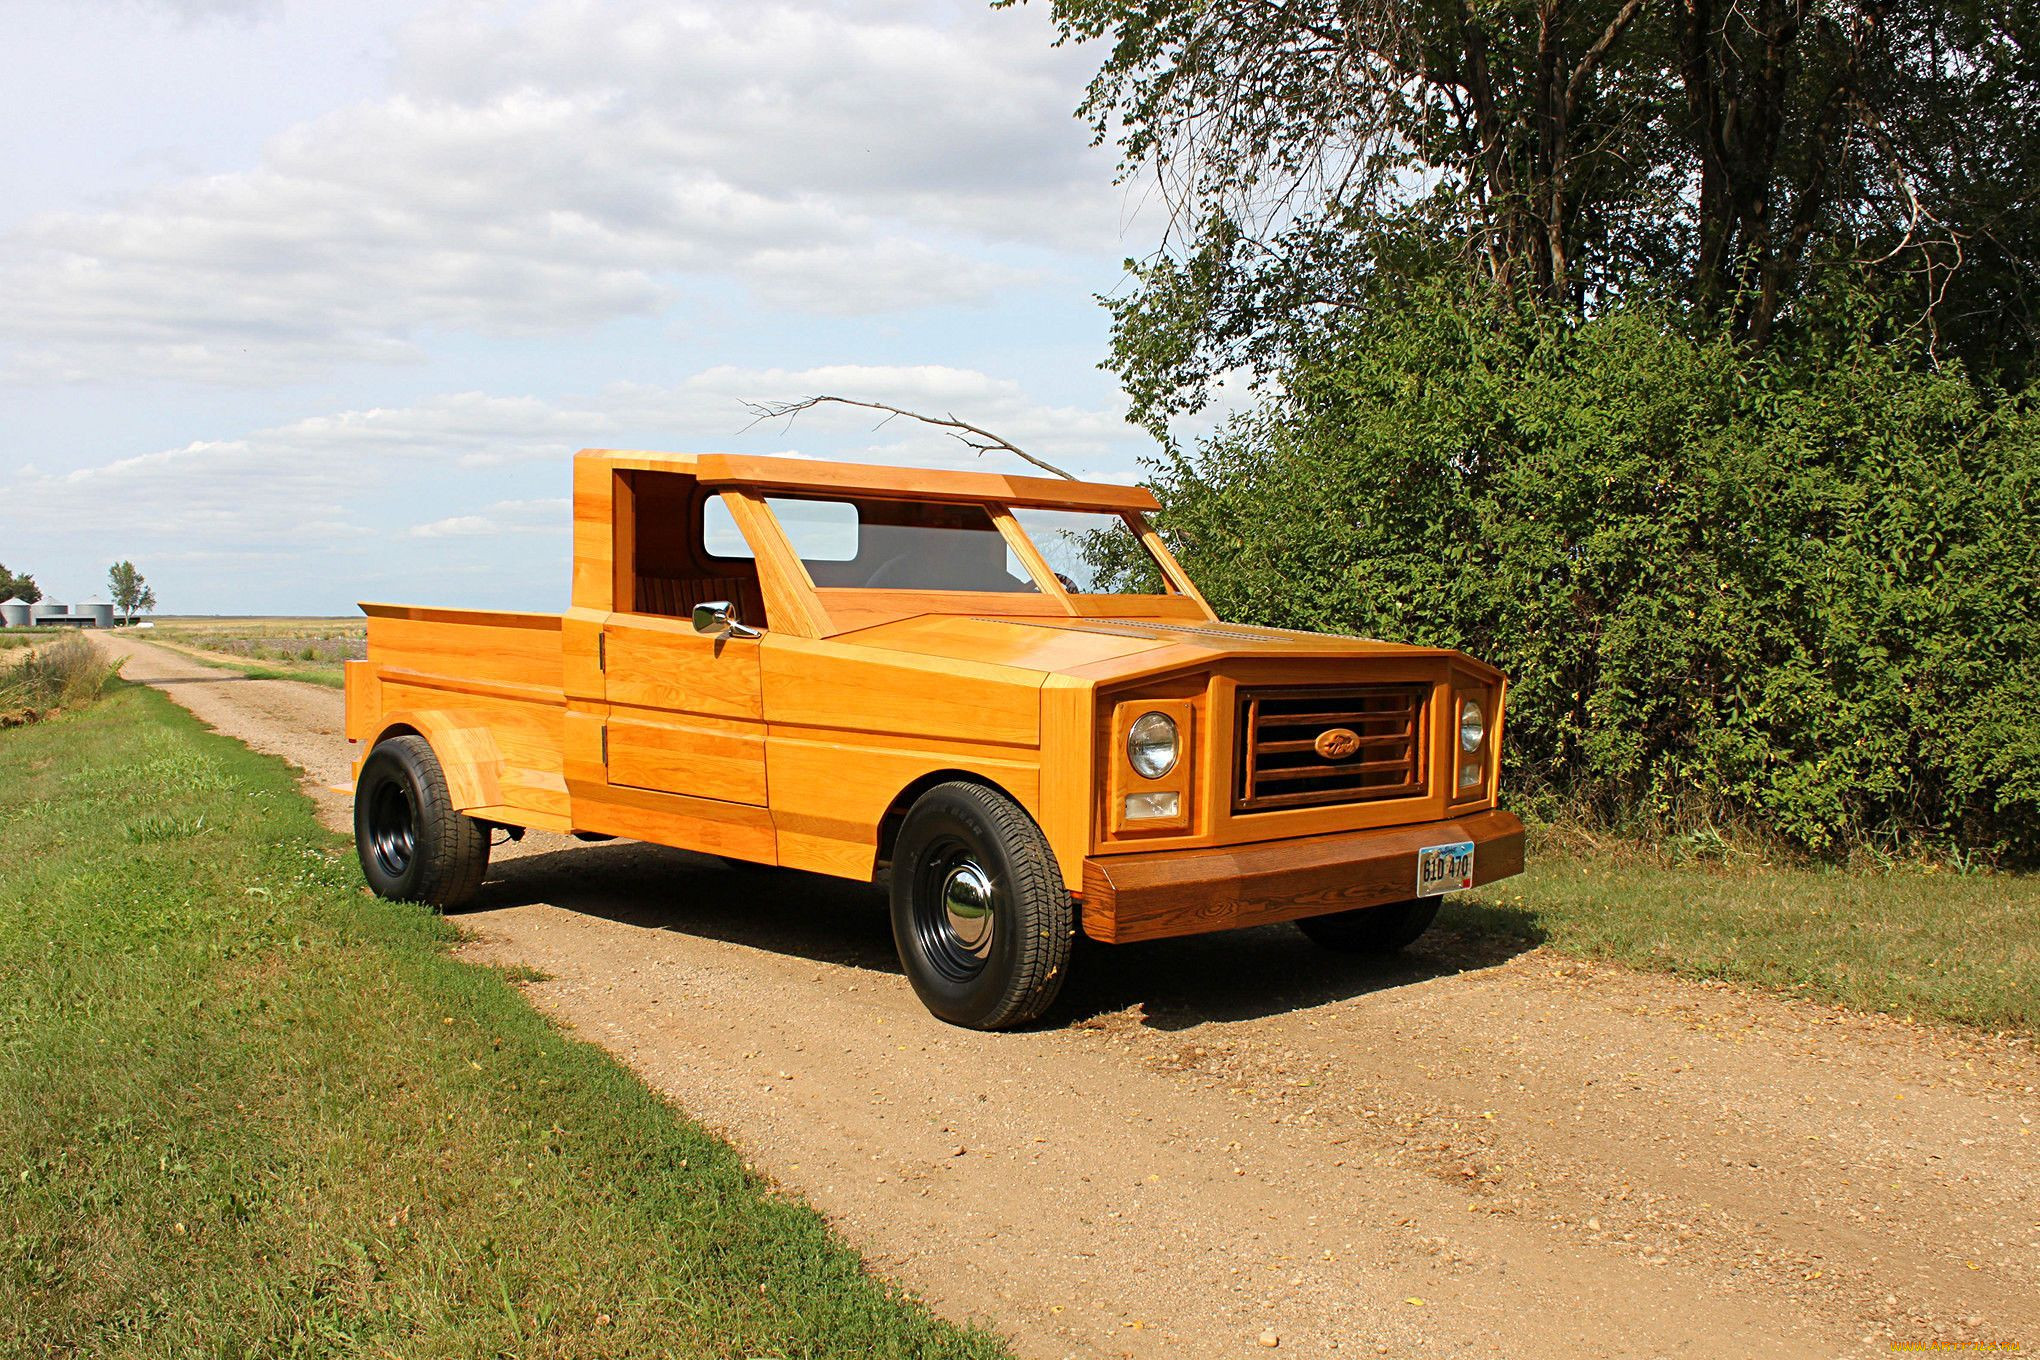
pixel 1796 592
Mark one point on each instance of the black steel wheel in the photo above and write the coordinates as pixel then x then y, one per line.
pixel 1372 930
pixel 392 838
pixel 980 916
pixel 413 844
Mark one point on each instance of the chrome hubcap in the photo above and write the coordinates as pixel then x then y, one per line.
pixel 967 901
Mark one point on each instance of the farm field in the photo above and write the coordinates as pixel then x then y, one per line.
pixel 248 1110
pixel 1502 1144
pixel 265 647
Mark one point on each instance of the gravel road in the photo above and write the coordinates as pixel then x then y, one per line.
pixel 1239 1141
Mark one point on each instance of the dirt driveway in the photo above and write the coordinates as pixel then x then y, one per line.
pixel 1238 1141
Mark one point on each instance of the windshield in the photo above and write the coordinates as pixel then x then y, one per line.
pixel 1092 552
pixel 857 544
pixel 901 545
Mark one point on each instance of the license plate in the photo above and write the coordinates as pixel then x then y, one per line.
pixel 1444 868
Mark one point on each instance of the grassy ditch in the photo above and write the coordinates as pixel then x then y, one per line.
pixel 60 673
pixel 1921 941
pixel 247 1109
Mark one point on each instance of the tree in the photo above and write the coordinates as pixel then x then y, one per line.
pixel 1312 154
pixel 1799 593
pixel 131 594
pixel 21 587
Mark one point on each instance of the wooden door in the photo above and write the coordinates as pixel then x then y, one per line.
pixel 685 712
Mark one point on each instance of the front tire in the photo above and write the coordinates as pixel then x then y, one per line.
pixel 413 845
pixel 980 916
pixel 1372 930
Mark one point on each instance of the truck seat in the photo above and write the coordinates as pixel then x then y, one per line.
pixel 677 595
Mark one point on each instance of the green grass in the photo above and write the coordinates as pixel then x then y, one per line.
pixel 248 1110
pixel 1919 941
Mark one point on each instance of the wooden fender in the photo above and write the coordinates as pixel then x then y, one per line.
pixel 466 751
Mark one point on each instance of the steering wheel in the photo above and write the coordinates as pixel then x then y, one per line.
pixel 886 570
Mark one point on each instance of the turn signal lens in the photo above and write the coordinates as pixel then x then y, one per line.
pixel 1469 775
pixel 1148 806
pixel 1472 727
pixel 1151 744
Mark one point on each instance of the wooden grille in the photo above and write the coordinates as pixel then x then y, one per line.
pixel 1278 759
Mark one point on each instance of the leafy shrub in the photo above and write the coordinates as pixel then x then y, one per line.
pixel 68 673
pixel 1800 592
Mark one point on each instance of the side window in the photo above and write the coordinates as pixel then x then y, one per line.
pixel 720 536
pixel 686 550
pixel 822 531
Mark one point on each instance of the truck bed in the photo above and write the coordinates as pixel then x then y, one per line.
pixel 484 686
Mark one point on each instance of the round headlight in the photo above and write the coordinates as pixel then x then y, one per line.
pixel 1151 744
pixel 1472 726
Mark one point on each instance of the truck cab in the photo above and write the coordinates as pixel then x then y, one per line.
pixel 999 695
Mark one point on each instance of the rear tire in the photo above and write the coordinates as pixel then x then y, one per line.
pixel 414 846
pixel 1372 930
pixel 980 916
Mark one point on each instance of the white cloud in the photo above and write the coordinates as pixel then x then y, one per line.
pixel 451 498
pixel 547 515
pixel 576 164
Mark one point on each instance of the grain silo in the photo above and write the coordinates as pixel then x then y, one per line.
pixel 47 611
pixel 100 611
pixel 14 613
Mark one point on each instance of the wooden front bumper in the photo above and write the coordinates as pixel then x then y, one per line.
pixel 1185 892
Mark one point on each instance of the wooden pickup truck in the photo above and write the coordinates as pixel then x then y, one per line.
pixel 1000 695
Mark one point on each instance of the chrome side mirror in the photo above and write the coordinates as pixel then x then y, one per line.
pixel 719 619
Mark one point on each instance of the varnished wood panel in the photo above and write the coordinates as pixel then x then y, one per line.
pixel 1154 896
pixel 827 684
pixel 805 474
pixel 829 793
pixel 594 568
pixel 665 664
pixel 1068 757
pixel 702 756
pixel 469 647
pixel 686 710
pixel 1001 642
pixel 363 702
pixel 737 830
pixel 1182 608
pixel 920 483
pixel 851 727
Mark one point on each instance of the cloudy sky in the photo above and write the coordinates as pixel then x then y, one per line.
pixel 305 303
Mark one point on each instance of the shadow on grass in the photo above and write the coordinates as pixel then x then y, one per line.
pixel 1173 984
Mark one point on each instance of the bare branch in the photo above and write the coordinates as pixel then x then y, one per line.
pixel 975 438
pixel 1592 57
